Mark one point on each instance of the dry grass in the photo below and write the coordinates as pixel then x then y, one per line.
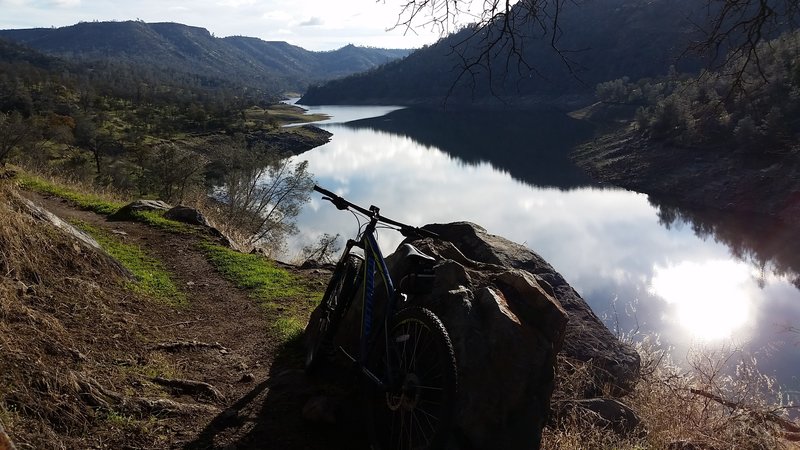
pixel 54 317
pixel 741 411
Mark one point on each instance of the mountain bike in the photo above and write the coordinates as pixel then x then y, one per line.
pixel 404 358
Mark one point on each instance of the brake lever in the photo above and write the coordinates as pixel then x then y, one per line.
pixel 339 205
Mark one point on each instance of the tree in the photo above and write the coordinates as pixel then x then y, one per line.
pixel 730 30
pixel 171 170
pixel 323 251
pixel 263 193
pixel 15 133
pixel 735 29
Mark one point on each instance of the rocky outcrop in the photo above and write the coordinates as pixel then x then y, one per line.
pixel 508 314
pixel 506 329
pixel 81 239
pixel 587 339
pixel 128 211
pixel 292 140
pixel 188 215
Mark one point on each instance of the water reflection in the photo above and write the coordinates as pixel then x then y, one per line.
pixel 712 299
pixel 532 146
pixel 611 245
pixel 766 244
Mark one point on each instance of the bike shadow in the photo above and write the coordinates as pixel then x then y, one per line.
pixel 271 415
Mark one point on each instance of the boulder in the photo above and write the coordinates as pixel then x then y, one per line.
pixel 615 364
pixel 127 211
pixel 508 314
pixel 506 330
pixel 188 215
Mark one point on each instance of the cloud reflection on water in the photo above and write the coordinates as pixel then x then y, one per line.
pixel 608 243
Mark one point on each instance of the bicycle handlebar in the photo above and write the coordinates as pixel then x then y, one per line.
pixel 342 204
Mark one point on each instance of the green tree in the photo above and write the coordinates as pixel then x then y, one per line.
pixel 263 193
pixel 171 171
pixel 15 133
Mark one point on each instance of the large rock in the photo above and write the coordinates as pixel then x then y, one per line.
pixel 128 211
pixel 187 214
pixel 587 338
pixel 506 330
pixel 508 314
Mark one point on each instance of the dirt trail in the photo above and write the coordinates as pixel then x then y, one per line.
pixel 264 391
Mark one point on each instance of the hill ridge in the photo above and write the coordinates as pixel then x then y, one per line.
pixel 275 66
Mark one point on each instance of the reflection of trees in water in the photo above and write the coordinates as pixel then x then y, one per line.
pixel 767 244
pixel 531 146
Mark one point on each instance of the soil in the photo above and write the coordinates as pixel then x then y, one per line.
pixel 263 388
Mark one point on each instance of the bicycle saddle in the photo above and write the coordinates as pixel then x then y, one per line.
pixel 415 255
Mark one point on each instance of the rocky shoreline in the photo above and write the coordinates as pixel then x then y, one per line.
pixel 717 179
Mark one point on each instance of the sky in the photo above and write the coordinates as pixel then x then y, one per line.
pixel 311 24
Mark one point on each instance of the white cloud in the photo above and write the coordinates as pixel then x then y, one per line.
pixel 326 25
pixel 65 3
pixel 312 22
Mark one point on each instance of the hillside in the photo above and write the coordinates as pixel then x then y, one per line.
pixel 601 41
pixel 94 357
pixel 275 67
pixel 706 142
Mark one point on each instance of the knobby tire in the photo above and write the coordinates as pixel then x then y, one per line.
pixel 416 412
pixel 337 298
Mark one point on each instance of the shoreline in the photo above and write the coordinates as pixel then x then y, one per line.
pixel 716 179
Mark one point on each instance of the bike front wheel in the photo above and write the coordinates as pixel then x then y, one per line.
pixel 418 364
pixel 323 325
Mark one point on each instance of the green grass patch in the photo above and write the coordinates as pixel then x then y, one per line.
pixel 100 205
pixel 83 200
pixel 152 278
pixel 250 271
pixel 156 219
pixel 290 328
pixel 276 289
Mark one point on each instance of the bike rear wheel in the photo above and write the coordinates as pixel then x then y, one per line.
pixel 416 410
pixel 322 328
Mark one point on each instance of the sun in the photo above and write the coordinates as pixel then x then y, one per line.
pixel 711 299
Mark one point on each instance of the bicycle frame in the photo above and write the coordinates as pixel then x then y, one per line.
pixel 374 264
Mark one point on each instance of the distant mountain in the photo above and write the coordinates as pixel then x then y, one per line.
pixel 603 40
pixel 270 66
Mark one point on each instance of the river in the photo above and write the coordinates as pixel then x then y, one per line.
pixel 644 268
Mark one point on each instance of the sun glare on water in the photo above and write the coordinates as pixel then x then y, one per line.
pixel 711 300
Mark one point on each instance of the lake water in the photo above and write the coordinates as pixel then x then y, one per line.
pixel 694 280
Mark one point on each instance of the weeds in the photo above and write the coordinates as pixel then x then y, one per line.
pixel 90 202
pixel 251 271
pixel 272 286
pixel 156 219
pixel 716 400
pixel 152 278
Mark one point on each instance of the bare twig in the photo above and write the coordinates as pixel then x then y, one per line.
pixel 786 425
pixel 192 387
pixel 188 345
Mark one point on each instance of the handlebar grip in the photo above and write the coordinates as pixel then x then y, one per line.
pixel 337 201
pixel 324 191
pixel 417 232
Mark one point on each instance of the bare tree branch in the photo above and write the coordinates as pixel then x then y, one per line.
pixel 497 30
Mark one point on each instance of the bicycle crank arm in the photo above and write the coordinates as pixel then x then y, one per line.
pixel 363 371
